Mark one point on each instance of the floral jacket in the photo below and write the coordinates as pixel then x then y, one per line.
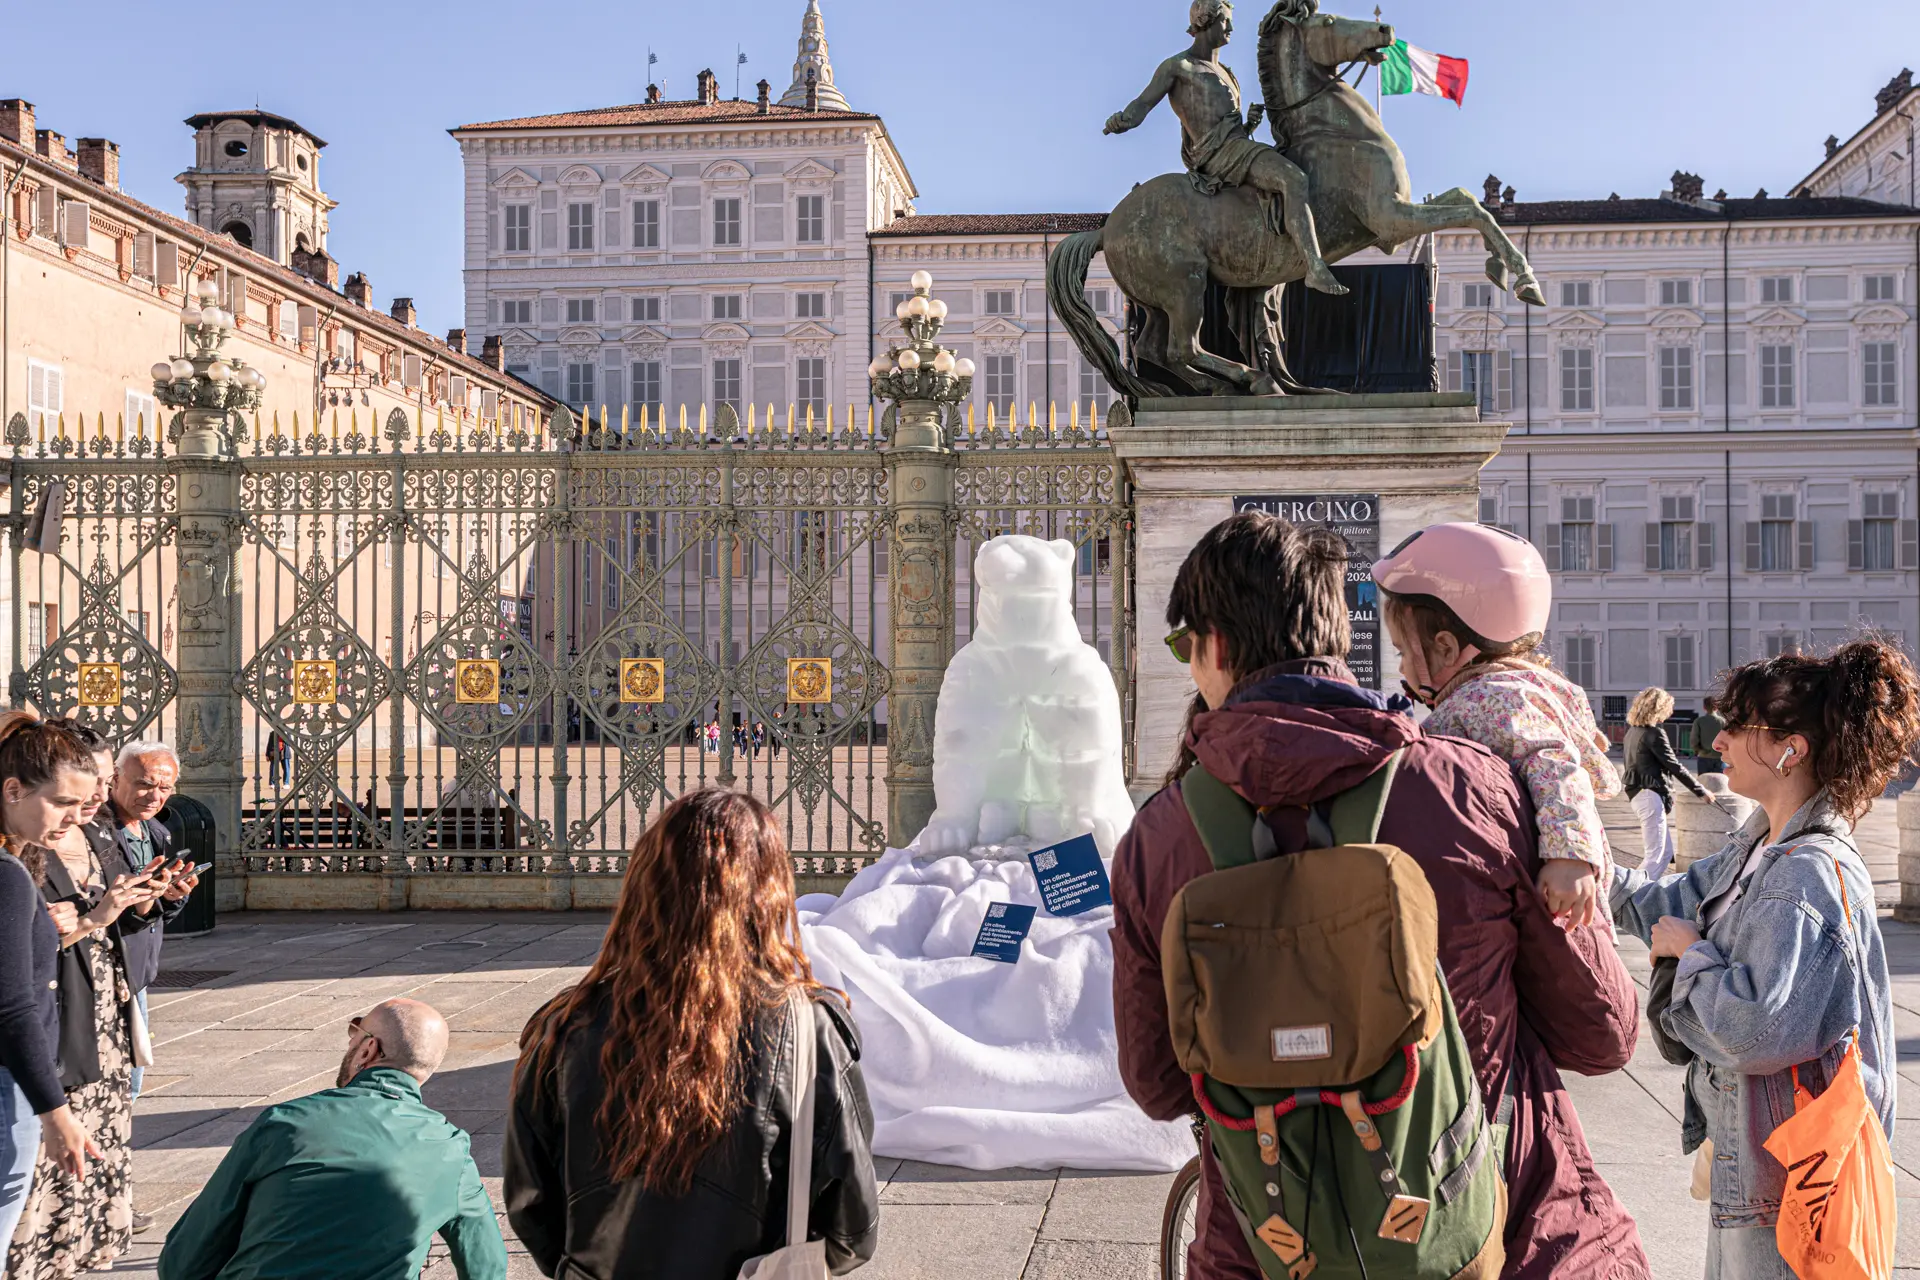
pixel 1542 723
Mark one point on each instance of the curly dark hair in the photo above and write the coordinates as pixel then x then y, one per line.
pixel 1858 708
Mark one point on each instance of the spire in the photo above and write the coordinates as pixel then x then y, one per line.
pixel 812 71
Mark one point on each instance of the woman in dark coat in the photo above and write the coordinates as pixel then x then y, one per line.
pixel 1650 763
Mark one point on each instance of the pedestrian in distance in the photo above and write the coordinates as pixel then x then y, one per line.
pixel 351 1183
pixel 1651 769
pixel 657 1119
pixel 1467 607
pixel 45 777
pixel 1782 977
pixel 1260 617
pixel 1706 728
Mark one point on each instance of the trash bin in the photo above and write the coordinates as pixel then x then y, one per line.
pixel 192 826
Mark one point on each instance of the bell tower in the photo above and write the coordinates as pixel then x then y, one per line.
pixel 256 179
pixel 812 70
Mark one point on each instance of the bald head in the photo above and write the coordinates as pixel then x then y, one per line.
pixel 412 1036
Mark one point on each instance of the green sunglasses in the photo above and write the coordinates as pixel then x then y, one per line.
pixel 1180 645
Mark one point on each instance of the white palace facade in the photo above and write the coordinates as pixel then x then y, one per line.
pixel 1714 439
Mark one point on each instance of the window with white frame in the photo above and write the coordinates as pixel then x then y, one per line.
pixel 579 383
pixel 1880 374
pixel 1476 295
pixel 726 306
pixel 1776 289
pixel 645 386
pixel 586 575
pixel 580 310
pixel 1576 379
pixel 1095 394
pixel 1676 377
pixel 611 590
pixel 1490 508
pixel 1881 288
pixel 1576 293
pixel 646 311
pixel 1675 535
pixel 43 624
pixel 519 228
pixel 579 226
pixel 1577 535
pixel 1681 667
pixel 810 306
pixel 1776 377
pixel 646 224
pixel 810 220
pixel 1676 293
pixel 1778 532
pixel 1099 300
pixel 1582 663
pixel 726 383
pixel 999 302
pixel 46 396
pixel 1879 531
pixel 140 418
pixel 516 311
pixel 1782 643
pixel 1476 376
pixel 290 320
pixel 810 383
pixel 726 223
pixel 1000 387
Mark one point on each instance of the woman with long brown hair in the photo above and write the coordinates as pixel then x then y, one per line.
pixel 653 1107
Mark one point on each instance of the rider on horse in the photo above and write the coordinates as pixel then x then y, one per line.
pixel 1218 146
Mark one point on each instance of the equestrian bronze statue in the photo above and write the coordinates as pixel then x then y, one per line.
pixel 1235 218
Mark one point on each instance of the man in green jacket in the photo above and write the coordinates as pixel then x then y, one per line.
pixel 1705 729
pixel 349 1184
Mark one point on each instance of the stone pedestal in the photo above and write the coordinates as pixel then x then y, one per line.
pixel 1909 818
pixel 1419 454
pixel 1701 830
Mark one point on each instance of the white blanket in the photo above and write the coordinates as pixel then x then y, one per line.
pixel 971 1062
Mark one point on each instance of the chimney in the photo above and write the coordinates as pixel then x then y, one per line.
pixel 1688 188
pixel 54 147
pixel 1506 200
pixel 100 160
pixel 1884 101
pixel 359 289
pixel 709 88
pixel 403 311
pixel 457 340
pixel 1490 191
pixel 16 122
pixel 766 97
pixel 322 270
pixel 1833 145
pixel 653 95
pixel 492 354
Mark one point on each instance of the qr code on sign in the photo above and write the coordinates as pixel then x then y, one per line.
pixel 997 911
pixel 1045 860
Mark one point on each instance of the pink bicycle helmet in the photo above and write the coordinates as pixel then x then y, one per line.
pixel 1494 581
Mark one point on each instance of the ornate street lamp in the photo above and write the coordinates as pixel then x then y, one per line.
pixel 207 387
pixel 922 376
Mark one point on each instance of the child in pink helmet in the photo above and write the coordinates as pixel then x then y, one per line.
pixel 1467 607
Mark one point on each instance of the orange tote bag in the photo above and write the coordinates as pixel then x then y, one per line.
pixel 1838 1213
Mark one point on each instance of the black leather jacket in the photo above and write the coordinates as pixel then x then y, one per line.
pixel 579 1225
pixel 1648 754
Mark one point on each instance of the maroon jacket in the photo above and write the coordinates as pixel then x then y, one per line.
pixel 1533 999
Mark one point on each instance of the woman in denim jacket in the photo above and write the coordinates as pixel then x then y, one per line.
pixel 1772 973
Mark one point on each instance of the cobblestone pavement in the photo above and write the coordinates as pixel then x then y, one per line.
pixel 266 1019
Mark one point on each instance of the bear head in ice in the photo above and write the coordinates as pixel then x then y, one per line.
pixel 1027 735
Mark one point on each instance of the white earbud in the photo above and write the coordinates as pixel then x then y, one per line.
pixel 1781 768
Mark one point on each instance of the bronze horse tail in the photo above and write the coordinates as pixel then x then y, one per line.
pixel 1067 290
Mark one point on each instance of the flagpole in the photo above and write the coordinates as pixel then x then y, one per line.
pixel 1379 82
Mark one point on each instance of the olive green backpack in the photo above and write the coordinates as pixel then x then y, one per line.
pixel 1306 1000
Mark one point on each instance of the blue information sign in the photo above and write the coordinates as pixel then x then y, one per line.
pixel 1072 877
pixel 1001 933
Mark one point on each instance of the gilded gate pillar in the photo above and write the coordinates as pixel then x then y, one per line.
pixel 207 708
pixel 920 597
pixel 926 385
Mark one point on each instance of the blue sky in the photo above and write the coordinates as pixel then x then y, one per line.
pixel 996 104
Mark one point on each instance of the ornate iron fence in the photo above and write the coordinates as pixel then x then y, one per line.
pixel 468 648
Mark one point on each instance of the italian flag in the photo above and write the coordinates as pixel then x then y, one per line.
pixel 1410 69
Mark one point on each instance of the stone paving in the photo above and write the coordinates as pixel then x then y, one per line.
pixel 272 1027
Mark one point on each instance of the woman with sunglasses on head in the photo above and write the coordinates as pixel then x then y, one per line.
pixel 654 1107
pixel 45 778
pixel 1781 963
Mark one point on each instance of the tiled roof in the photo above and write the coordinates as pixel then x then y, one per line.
pixel 993 224
pixel 733 111
pixel 255 117
pixel 360 318
pixel 1543 212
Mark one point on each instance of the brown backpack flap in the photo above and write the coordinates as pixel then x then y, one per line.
pixel 1304 971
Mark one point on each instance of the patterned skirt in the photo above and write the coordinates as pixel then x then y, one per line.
pixel 68 1226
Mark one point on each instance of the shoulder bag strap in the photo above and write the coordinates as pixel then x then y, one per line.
pixel 1355 815
pixel 800 1155
pixel 1223 817
pixel 1846 909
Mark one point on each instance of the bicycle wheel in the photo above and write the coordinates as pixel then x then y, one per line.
pixel 1180 1222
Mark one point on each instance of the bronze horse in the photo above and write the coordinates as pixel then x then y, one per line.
pixel 1167 241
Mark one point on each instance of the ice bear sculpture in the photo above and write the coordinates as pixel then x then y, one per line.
pixel 1026 748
